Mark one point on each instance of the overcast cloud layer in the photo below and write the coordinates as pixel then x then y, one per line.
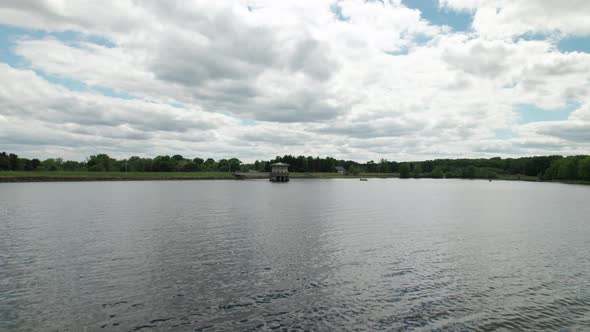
pixel 257 78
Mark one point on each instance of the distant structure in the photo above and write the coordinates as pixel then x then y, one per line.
pixel 340 170
pixel 279 172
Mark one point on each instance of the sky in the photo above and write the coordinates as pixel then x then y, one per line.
pixel 253 79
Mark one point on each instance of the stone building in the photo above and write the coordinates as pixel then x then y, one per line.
pixel 279 172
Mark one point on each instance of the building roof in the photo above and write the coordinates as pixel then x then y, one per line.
pixel 280 164
pixel 340 168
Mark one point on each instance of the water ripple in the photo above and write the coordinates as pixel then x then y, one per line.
pixel 386 255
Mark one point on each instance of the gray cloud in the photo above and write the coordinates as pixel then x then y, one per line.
pixel 279 139
pixel 288 77
pixel 567 130
pixel 502 19
pixel 34 111
pixel 31 96
pixel 192 63
pixel 312 58
pixel 214 56
pixel 379 128
pixel 483 59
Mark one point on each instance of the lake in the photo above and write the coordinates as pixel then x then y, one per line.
pixel 386 254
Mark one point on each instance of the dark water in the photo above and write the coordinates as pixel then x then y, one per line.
pixel 310 254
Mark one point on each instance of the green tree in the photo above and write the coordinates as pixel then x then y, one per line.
pixel 551 172
pixel 35 163
pixel 50 164
pixel 13 161
pixel 354 170
pixel 469 172
pixel 136 164
pixel 182 165
pixel 417 170
pixel 584 168
pixel 71 166
pixel 567 169
pixel 4 162
pixel 198 163
pixel 384 166
pixel 223 165
pixel 28 165
pixel 100 163
pixel 234 164
pixel 263 166
pixel 437 173
pixel 191 166
pixel 162 164
pixel 22 164
pixel 404 171
pixel 210 165
pixel 491 174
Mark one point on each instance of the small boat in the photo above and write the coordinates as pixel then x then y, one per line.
pixel 363 179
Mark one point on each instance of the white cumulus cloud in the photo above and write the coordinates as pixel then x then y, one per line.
pixel 256 78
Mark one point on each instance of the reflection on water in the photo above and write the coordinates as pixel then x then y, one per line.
pixel 309 254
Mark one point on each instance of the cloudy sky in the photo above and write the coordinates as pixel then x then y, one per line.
pixel 352 79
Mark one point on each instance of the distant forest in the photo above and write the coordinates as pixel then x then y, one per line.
pixel 543 167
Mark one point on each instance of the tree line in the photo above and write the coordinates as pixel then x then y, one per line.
pixel 544 167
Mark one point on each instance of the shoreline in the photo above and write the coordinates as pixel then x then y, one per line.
pixel 17 179
pixel 6 177
pixel 21 179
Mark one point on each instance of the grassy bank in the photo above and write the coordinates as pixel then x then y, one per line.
pixel 109 176
pixel 41 176
pixel 45 176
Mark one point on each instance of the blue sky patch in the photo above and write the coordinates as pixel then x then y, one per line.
pixel 505 134
pixel 177 105
pixel 401 51
pixel 431 12
pixel 565 44
pixel 114 94
pixel 9 35
pixel 533 36
pixel 531 113
pixel 337 10
pixel 73 85
pixel 8 38
pixel 574 44
pixel 421 39
pixel 418 40
pixel 248 122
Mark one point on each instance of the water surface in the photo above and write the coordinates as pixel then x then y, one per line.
pixel 305 255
